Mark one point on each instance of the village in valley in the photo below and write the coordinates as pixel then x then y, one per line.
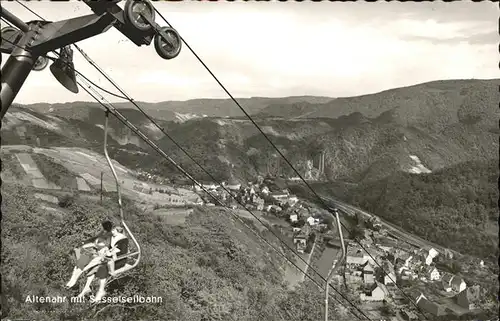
pixel 378 265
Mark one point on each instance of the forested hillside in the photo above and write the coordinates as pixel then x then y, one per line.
pixel 365 138
pixel 432 105
pixel 212 268
pixel 456 207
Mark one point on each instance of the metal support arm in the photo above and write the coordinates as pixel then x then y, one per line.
pixel 138 37
pixel 58 34
pixel 39 38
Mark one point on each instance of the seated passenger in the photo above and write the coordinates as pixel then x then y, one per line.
pixel 119 247
pixel 101 251
pixel 85 253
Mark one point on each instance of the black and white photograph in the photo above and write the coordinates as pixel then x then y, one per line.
pixel 249 160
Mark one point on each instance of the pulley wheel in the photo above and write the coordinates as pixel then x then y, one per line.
pixel 134 11
pixel 41 63
pixel 170 48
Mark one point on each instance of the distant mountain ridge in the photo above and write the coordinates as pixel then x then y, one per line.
pixel 169 110
pixel 425 104
pixel 417 128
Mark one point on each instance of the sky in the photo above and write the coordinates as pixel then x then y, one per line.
pixel 277 49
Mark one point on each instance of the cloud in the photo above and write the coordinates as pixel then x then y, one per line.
pixel 474 39
pixel 473 32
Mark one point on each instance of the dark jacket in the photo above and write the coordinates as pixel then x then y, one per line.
pixel 122 245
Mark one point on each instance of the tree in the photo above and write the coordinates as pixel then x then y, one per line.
pixel 455 267
pixel 357 233
pixel 387 310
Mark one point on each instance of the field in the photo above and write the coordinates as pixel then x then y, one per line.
pixel 173 216
pixel 80 166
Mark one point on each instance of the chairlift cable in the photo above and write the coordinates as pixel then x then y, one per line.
pixel 124 120
pixel 131 100
pixel 8 23
pixel 129 125
pixel 196 162
pixel 94 64
pixel 326 206
pixel 72 68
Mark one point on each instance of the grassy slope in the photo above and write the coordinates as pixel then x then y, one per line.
pixel 209 269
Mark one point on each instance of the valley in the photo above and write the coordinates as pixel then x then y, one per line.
pixel 420 159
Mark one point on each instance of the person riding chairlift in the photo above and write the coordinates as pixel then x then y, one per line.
pixel 88 251
pixel 109 254
pixel 119 247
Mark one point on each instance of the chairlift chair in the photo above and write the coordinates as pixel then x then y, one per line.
pixel 123 256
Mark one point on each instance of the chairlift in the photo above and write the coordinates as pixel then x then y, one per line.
pixel 125 256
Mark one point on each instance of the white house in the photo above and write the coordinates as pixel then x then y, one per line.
pixel 430 256
pixel 403 257
pixel 300 239
pixel 273 209
pixel 280 197
pixel 210 186
pixel 458 284
pixel 312 221
pixel 259 203
pixel 432 273
pixel 293 200
pixel 408 275
pixel 355 260
pixel 378 293
pixel 294 218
